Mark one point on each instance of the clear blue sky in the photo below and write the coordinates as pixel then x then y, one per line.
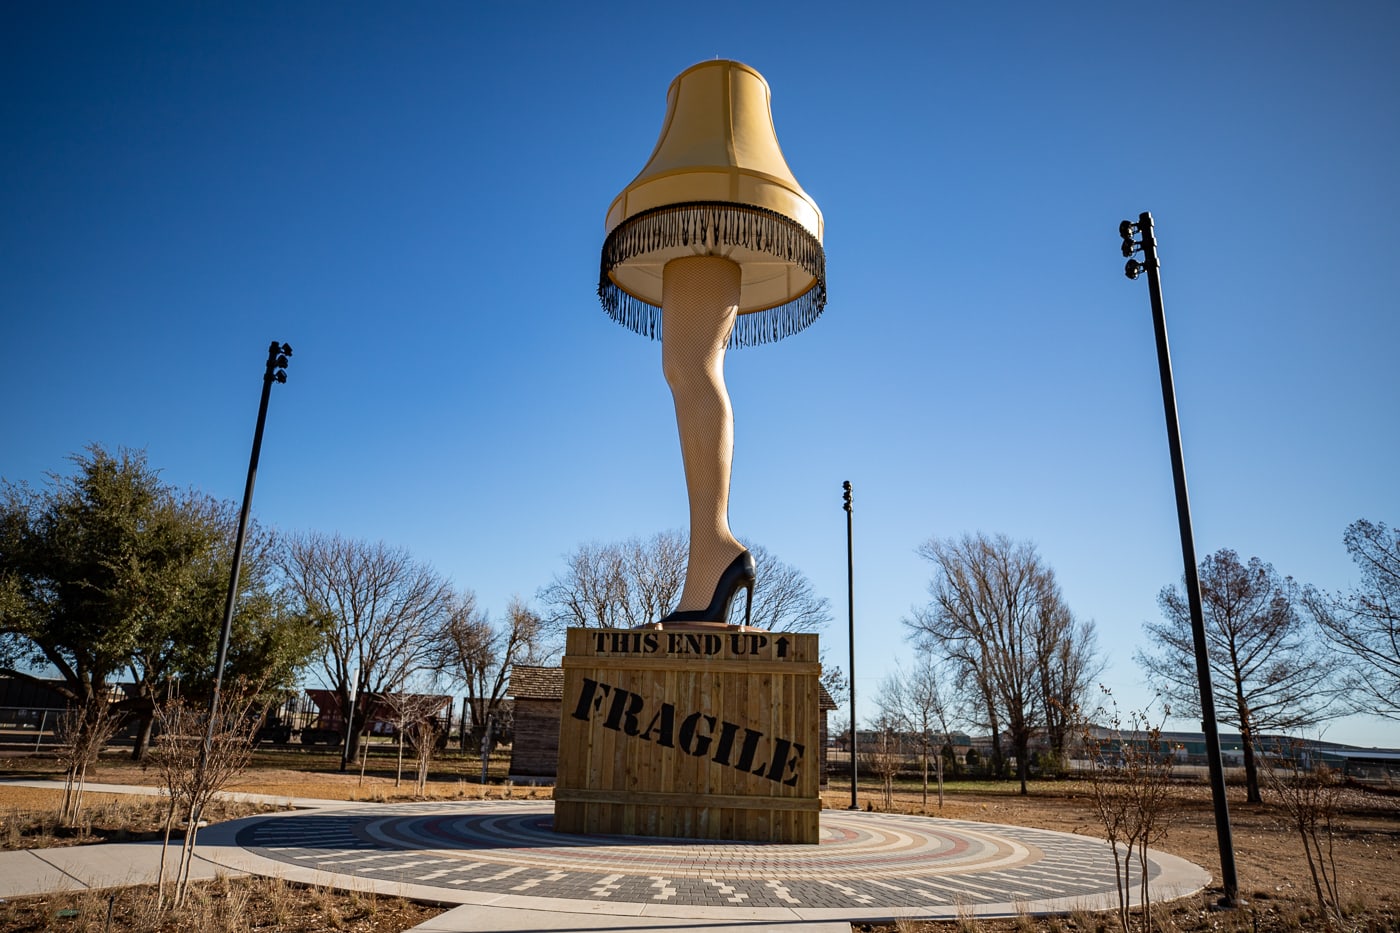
pixel 412 196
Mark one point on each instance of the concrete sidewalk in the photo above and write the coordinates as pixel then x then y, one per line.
pixel 145 790
pixel 108 865
pixel 75 868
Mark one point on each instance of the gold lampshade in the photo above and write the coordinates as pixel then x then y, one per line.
pixel 717 184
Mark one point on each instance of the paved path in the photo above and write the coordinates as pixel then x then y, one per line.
pixel 511 871
pixel 146 790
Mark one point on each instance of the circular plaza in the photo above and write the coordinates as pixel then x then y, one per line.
pixel 867 866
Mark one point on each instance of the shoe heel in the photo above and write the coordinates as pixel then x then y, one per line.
pixel 739 573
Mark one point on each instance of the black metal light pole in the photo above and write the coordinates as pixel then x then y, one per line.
pixel 350 721
pixel 1147 245
pixel 277 356
pixel 851 616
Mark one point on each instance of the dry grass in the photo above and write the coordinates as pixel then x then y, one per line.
pixel 221 906
pixel 29 819
pixel 1272 871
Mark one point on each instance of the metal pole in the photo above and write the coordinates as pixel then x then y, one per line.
pixel 851 616
pixel 350 720
pixel 276 372
pixel 486 746
pixel 1151 265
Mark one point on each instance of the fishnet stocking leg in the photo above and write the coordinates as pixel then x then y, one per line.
pixel 699 304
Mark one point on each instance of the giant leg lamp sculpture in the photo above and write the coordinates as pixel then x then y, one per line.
pixel 713 245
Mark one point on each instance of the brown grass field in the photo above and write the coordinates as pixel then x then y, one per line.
pixel 1273 875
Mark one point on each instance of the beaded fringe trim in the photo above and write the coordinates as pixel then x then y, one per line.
pixel 722 224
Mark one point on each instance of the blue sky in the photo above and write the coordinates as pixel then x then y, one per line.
pixel 412 196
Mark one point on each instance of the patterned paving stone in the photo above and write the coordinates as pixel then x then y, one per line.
pixel 865 864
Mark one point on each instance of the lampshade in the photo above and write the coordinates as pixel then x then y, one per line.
pixel 717 184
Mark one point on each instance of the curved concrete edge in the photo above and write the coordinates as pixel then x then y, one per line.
pixel 471 919
pixel 217 846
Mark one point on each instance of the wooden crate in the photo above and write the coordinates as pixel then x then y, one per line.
pixel 708 735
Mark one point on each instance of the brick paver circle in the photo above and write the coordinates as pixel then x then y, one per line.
pixel 867 865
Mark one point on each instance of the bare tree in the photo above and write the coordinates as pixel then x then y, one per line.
pixel 414 715
pixel 617 585
pixel 479 653
pixel 653 573
pixel 884 757
pixel 996 614
pixel 835 681
pixel 1312 806
pixel 1364 625
pixel 1261 657
pixel 382 614
pixel 1067 649
pixel 195 762
pixel 915 700
pixel 633 582
pixel 783 599
pixel 1130 782
pixel 424 735
pixel 83 731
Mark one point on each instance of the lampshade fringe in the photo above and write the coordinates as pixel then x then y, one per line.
pixel 716 225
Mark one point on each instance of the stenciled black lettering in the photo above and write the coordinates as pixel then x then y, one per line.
pixel 622 714
pixel 691 743
pixel 784 760
pixel 590 698
pixel 747 751
pixel 663 726
pixel 699 733
pixel 726 742
pixel 651 642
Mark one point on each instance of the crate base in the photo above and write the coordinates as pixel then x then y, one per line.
pixel 690 735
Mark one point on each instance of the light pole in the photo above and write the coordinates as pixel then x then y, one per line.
pixel 350 720
pixel 276 371
pixel 1147 245
pixel 851 617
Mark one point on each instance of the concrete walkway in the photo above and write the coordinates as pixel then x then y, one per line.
pixel 502 862
pixel 144 790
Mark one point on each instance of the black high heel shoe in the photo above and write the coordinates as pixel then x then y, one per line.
pixel 741 572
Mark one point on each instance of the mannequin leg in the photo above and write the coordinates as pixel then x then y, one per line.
pixel 700 301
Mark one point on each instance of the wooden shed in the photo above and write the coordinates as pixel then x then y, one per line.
pixel 538 693
pixel 539 698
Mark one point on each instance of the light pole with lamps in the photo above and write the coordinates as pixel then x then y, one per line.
pixel 851 616
pixel 276 371
pixel 1146 243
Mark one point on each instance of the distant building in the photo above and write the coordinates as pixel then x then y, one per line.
pixel 1368 765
